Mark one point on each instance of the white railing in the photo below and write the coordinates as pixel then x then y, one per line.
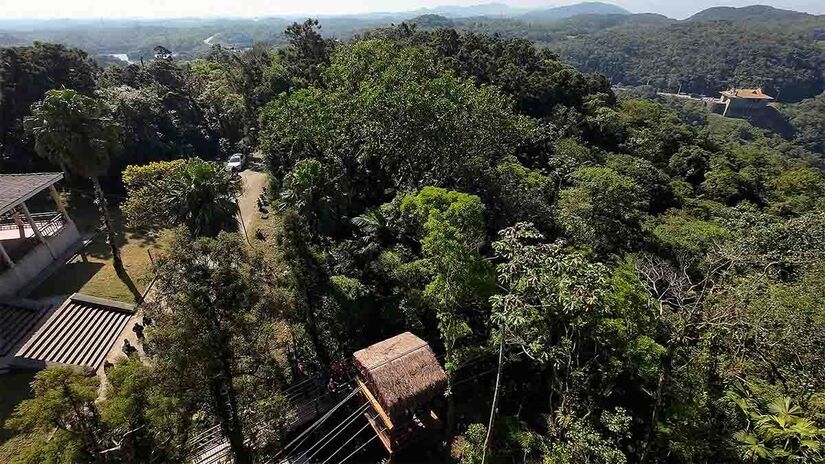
pixel 48 223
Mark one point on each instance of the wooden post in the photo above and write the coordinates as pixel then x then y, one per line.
pixel 36 230
pixel 20 226
pixel 59 203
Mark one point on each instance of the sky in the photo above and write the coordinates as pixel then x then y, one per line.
pixel 13 9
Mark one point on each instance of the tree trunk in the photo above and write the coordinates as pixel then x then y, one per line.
pixel 226 408
pixel 495 396
pixel 657 401
pixel 450 406
pixel 103 207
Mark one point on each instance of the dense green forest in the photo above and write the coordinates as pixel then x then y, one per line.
pixel 780 50
pixel 784 57
pixel 650 273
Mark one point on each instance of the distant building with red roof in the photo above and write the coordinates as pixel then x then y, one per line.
pixel 743 101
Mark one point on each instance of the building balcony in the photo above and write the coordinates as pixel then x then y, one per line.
pixel 19 238
pixel 30 256
pixel 31 242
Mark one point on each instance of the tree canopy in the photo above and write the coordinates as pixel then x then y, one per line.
pixel 644 275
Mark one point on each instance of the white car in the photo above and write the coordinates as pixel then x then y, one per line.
pixel 236 162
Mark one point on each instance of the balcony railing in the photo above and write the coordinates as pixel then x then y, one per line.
pixel 52 226
pixel 48 223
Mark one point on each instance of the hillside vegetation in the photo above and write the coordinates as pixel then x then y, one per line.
pixel 646 277
pixel 749 13
pixel 779 50
pixel 785 58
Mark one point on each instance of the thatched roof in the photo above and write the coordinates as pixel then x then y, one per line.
pixel 401 372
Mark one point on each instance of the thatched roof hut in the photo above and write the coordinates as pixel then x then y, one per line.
pixel 401 373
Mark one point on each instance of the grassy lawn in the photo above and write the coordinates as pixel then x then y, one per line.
pixel 95 275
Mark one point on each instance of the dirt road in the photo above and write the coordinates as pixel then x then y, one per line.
pixel 254 181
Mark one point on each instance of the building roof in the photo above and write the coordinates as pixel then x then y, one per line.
pixel 80 332
pixel 17 188
pixel 16 320
pixel 749 94
pixel 401 372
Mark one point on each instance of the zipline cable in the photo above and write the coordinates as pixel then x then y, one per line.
pixel 313 400
pixel 358 449
pixel 350 439
pixel 343 424
pixel 323 418
pixel 305 433
pixel 292 387
pixel 349 420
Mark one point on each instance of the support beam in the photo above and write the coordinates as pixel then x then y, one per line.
pixel 36 230
pixel 6 257
pixel 376 405
pixel 9 262
pixel 20 226
pixel 58 201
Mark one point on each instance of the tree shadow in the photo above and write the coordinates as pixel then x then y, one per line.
pixel 127 280
pixel 70 279
pixel 86 216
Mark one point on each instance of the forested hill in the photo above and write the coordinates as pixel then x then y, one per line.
pixel 784 57
pixel 748 13
pixel 632 281
pixel 562 12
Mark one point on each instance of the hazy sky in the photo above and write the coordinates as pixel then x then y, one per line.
pixel 203 8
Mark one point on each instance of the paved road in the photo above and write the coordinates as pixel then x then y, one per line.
pixel 254 181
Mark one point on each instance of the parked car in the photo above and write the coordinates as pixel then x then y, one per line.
pixel 236 163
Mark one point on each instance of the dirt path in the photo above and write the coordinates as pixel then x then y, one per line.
pixel 254 181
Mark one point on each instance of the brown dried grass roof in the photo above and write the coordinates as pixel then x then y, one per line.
pixel 401 372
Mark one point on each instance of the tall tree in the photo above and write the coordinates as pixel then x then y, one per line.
pixel 78 134
pixel 214 333
pixel 307 52
pixel 198 194
pixel 451 227
pixel 26 73
pixel 146 423
pixel 63 405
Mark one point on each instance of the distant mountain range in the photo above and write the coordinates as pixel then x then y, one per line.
pixel 189 37
pixel 749 13
pixel 533 14
pixel 563 12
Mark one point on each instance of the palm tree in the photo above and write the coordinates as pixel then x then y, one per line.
pixel 203 197
pixel 77 133
pixel 781 434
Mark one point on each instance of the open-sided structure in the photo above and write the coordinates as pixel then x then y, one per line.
pixel 743 101
pixel 31 242
pixel 402 379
